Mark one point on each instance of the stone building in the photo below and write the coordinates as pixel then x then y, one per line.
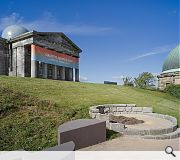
pixel 171 69
pixel 49 55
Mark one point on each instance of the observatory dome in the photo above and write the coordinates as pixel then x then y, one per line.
pixel 172 63
pixel 13 31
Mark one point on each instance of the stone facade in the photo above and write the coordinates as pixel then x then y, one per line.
pixel 166 79
pixel 40 54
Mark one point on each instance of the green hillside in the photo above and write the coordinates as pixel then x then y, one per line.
pixel 32 109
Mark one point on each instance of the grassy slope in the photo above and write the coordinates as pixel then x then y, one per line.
pixel 35 127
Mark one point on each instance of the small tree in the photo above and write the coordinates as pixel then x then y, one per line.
pixel 128 81
pixel 144 80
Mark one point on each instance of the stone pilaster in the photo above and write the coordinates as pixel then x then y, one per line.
pixel 74 74
pixel 70 74
pixel 55 72
pixel 20 61
pixel 63 73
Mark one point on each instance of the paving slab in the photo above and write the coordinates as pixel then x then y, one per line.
pixel 133 143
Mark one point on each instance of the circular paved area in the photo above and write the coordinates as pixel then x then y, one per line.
pixel 150 122
pixel 132 143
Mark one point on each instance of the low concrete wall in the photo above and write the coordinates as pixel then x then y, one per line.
pixel 150 131
pixel 117 127
pixel 94 111
pixel 83 132
pixel 175 134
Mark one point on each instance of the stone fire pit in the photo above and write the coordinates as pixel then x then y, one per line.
pixel 132 120
pixel 124 120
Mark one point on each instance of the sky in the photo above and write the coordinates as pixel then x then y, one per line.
pixel 118 38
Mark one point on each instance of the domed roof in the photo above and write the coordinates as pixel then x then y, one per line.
pixel 172 63
pixel 13 31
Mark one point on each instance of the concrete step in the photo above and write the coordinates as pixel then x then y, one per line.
pixel 149 132
pixel 172 135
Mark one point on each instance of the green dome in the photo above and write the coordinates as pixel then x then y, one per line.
pixel 172 63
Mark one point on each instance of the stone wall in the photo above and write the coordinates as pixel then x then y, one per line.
pixel 98 110
pixel 168 78
pixel 3 57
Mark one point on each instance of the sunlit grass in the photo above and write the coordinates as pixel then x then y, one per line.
pixel 35 127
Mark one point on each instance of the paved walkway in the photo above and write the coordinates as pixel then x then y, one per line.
pixel 131 143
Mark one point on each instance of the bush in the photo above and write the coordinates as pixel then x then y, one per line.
pixel 110 134
pixel 174 90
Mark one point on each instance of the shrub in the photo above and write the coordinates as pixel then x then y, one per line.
pixel 174 90
pixel 110 134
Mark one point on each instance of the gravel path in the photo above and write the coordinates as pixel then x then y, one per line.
pixel 131 143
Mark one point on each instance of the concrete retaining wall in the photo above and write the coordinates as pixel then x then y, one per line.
pixel 172 135
pixel 117 109
pixel 150 131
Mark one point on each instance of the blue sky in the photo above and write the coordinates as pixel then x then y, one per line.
pixel 118 37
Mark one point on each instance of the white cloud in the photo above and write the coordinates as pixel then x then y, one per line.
pixel 83 79
pixel 14 18
pixel 49 23
pixel 158 50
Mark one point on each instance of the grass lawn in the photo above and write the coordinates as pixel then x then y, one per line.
pixel 31 109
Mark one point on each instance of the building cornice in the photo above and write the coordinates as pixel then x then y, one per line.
pixel 171 74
